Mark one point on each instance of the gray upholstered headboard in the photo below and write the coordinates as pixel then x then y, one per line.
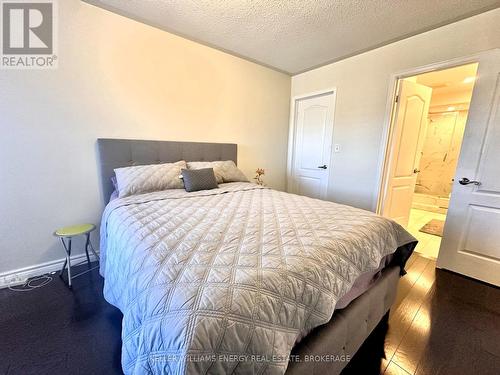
pixel 116 153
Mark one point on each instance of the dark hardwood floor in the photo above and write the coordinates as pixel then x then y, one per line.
pixel 440 323
pixel 53 330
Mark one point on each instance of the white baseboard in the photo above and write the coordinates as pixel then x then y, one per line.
pixel 19 276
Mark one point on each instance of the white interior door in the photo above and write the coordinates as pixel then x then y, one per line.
pixel 471 241
pixel 313 145
pixel 408 137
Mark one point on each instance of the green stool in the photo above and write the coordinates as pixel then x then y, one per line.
pixel 67 233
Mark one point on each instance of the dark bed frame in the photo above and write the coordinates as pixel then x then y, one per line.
pixel 339 339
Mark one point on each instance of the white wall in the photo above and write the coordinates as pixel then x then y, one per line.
pixel 362 84
pixel 120 78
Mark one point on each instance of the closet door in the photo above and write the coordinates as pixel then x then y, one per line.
pixel 312 147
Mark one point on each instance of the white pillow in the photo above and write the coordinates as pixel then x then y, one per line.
pixel 146 178
pixel 225 171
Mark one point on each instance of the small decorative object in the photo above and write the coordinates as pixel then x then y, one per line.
pixel 258 177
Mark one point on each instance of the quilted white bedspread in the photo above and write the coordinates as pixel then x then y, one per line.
pixel 224 281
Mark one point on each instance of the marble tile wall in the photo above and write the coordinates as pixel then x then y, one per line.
pixel 440 153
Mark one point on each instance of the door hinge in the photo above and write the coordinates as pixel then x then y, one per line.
pixel 397 98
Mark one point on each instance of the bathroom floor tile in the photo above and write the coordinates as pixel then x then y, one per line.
pixel 428 244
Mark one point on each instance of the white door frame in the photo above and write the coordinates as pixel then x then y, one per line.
pixel 292 131
pixel 391 108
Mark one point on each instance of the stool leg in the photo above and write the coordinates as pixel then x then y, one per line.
pixel 65 260
pixel 64 266
pixel 93 250
pixel 68 258
pixel 87 248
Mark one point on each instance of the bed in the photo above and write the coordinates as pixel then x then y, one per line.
pixel 243 278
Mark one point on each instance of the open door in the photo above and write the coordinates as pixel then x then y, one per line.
pixel 471 241
pixel 406 148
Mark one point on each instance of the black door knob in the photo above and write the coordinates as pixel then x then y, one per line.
pixel 466 181
pixel 323 166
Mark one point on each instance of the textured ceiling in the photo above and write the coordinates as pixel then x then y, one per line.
pixel 296 35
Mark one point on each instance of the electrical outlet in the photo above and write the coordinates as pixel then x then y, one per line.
pixel 337 147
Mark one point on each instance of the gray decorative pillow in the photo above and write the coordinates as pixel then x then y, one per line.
pixel 199 179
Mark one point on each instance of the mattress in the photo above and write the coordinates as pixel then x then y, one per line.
pixel 362 283
pixel 227 280
pixel 335 343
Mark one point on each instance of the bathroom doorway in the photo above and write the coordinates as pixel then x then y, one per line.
pixel 429 122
